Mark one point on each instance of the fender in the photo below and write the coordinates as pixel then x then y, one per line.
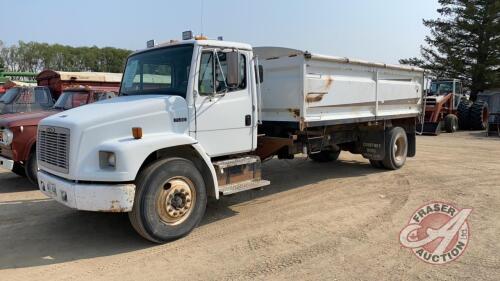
pixel 28 148
pixel 131 154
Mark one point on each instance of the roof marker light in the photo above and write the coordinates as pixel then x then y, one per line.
pixel 150 43
pixel 187 35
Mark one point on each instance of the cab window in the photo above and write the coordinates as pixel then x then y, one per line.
pixel 212 75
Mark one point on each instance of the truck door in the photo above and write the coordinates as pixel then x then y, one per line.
pixel 224 115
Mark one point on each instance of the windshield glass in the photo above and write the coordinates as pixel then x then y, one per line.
pixel 71 99
pixel 439 88
pixel 10 95
pixel 26 100
pixel 158 72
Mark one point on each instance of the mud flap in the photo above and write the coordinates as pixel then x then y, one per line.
pixel 412 144
pixel 373 144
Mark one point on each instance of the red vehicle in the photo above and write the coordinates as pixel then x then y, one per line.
pixel 18 132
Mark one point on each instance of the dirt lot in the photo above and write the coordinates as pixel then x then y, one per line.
pixel 337 221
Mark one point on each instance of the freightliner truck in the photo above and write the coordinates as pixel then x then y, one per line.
pixel 196 118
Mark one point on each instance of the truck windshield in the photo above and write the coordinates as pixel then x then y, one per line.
pixel 26 99
pixel 10 95
pixel 71 99
pixel 158 72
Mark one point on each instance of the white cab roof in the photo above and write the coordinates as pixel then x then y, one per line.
pixel 200 42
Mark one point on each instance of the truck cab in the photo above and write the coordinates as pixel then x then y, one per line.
pixel 25 99
pixel 191 123
pixel 444 87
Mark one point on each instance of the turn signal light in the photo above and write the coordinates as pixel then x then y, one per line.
pixel 137 133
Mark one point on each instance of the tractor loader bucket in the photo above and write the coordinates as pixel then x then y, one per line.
pixel 429 128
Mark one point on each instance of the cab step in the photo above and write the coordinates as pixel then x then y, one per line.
pixel 239 174
pixel 242 186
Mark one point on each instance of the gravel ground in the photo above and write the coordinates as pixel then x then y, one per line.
pixel 335 221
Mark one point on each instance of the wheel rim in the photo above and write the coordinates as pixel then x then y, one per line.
pixel 176 200
pixel 399 149
pixel 485 117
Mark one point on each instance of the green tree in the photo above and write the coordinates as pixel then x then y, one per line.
pixel 35 57
pixel 464 42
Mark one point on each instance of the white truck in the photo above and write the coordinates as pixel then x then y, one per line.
pixel 197 117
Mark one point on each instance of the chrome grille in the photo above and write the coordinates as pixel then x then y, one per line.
pixel 53 148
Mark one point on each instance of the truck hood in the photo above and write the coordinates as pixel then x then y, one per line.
pixel 113 110
pixel 93 127
pixel 24 119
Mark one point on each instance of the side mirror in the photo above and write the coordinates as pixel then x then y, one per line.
pixel 261 74
pixel 233 73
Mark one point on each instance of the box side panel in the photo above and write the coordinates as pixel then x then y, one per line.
pixel 282 89
pixel 342 92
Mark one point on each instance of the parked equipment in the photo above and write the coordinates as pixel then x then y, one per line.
pixel 9 79
pixel 18 132
pixel 195 119
pixel 492 98
pixel 448 109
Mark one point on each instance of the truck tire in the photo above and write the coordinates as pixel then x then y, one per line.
pixel 31 168
pixel 451 123
pixel 19 170
pixel 479 115
pixel 170 200
pixel 325 156
pixel 396 148
pixel 463 114
pixel 376 164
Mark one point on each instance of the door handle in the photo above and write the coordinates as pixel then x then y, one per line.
pixel 248 120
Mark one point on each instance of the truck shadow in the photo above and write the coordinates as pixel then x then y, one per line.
pixel 42 232
pixel 9 182
pixel 287 175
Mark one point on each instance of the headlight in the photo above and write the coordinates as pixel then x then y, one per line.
pixel 107 159
pixel 6 137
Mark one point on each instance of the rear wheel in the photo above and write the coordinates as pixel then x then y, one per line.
pixel 170 200
pixel 396 148
pixel 377 164
pixel 463 114
pixel 325 156
pixel 451 123
pixel 31 168
pixel 479 115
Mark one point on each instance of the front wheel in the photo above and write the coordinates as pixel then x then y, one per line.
pixel 170 200
pixel 19 170
pixel 31 169
pixel 451 123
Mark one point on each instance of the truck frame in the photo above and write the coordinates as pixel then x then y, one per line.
pixel 197 117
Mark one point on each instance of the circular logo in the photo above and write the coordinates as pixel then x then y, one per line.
pixel 437 232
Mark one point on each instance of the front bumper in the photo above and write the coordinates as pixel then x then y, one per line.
pixel 88 197
pixel 6 163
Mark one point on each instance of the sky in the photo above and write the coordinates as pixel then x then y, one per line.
pixel 377 30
